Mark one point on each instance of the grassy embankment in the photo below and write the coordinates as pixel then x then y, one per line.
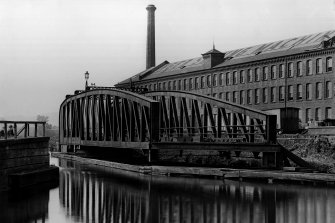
pixel 318 151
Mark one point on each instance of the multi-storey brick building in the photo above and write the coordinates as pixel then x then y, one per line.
pixel 293 73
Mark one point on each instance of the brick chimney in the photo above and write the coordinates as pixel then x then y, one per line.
pixel 151 58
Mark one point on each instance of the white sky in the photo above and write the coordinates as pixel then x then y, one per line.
pixel 46 46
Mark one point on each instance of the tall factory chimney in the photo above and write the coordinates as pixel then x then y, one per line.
pixel 151 58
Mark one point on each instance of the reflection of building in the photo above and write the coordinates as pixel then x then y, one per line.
pixel 292 73
pixel 114 197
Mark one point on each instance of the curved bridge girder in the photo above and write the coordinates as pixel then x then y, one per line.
pixel 108 118
pixel 185 116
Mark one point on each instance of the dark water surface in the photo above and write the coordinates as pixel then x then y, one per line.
pixel 95 194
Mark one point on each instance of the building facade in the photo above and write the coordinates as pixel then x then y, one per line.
pixel 293 73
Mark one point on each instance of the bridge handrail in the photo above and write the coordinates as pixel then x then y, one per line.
pixel 6 132
pixel 214 101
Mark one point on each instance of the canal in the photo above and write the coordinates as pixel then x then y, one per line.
pixel 96 194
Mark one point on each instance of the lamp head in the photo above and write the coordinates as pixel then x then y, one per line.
pixel 87 75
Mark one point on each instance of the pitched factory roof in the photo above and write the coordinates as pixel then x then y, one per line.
pixel 243 55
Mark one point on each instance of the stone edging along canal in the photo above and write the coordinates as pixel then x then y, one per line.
pixel 224 173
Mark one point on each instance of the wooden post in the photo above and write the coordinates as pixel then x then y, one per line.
pixel 15 130
pixel 35 129
pixel 25 130
pixel 5 128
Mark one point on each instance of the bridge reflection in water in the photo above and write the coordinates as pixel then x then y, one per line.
pixel 94 195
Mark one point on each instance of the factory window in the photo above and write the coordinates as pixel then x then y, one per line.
pixel 228 78
pixel 190 83
pixel 155 87
pixel 241 97
pixel 169 85
pixel 328 89
pixel 299 92
pixel 265 73
pixel 235 77
pixel 328 113
pixel 179 85
pixel 319 66
pixel 281 70
pixel 214 95
pixel 227 96
pixel 249 96
pixel 273 72
pixel 317 114
pixel 309 67
pixel 257 74
pixel 265 95
pixel 185 84
pixel 242 76
pixel 308 114
pixel 159 86
pixel 290 70
pixel 174 85
pixel 299 68
pixel 329 64
pixel 290 92
pixel 164 85
pixel 273 94
pixel 209 80
pixel 318 90
pixel 235 96
pixel 308 91
pixel 256 96
pixel 221 79
pixel 215 81
pixel 220 95
pixel 281 93
pixel 202 82
pixel 249 76
pixel 196 83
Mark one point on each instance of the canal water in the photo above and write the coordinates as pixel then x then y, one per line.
pixel 95 194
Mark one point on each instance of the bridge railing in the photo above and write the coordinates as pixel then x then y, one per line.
pixel 21 129
pixel 186 116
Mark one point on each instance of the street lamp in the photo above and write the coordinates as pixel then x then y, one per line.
pixel 86 78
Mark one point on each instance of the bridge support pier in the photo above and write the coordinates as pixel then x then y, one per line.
pixel 273 159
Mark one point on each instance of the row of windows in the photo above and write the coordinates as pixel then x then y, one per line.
pixel 277 93
pixel 251 75
pixel 317 114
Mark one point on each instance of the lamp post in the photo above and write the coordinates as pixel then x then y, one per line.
pixel 86 78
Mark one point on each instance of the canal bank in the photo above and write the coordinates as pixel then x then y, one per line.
pixel 24 157
pixel 271 176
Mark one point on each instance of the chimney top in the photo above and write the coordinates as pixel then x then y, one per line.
pixel 151 7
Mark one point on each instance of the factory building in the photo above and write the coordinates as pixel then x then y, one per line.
pixel 294 76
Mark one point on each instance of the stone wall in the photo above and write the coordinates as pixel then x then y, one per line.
pixel 22 155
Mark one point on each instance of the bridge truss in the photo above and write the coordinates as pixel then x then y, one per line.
pixel 157 120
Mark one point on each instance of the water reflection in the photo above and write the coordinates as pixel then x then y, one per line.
pixel 102 195
pixel 29 205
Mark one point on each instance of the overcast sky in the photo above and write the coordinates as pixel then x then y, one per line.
pixel 46 46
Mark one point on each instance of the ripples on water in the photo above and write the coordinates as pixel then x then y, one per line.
pixel 96 194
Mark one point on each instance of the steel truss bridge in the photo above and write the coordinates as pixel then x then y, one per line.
pixel 160 120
